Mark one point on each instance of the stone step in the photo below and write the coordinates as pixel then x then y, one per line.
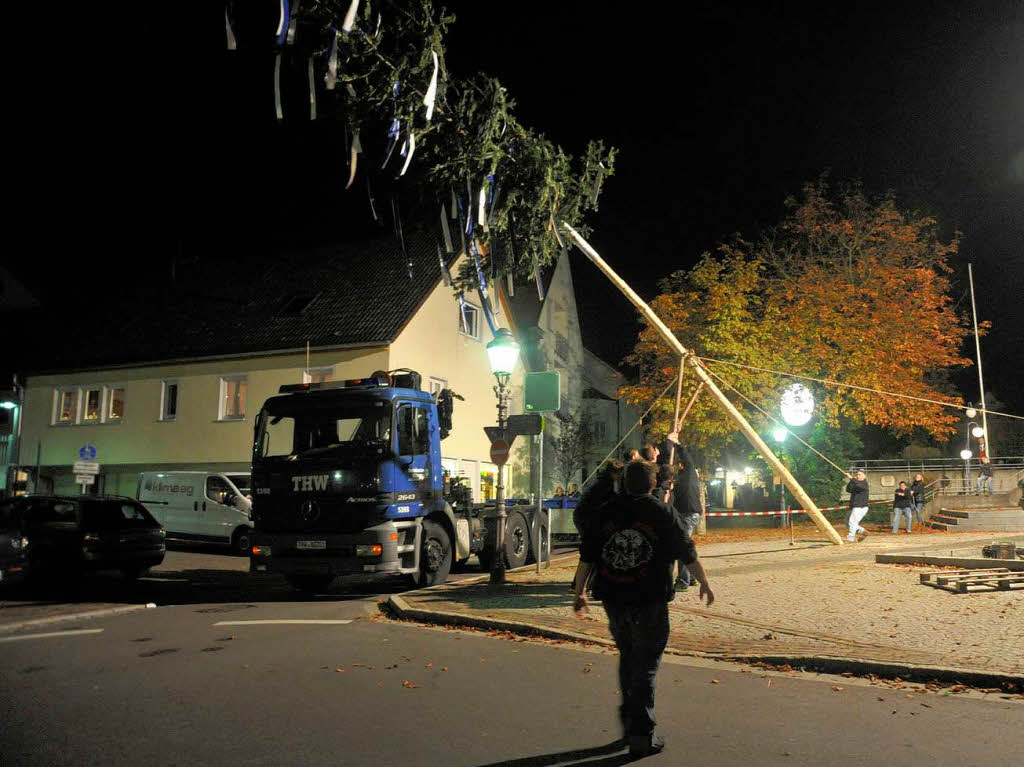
pixel 945 519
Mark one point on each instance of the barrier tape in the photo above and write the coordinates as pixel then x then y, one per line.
pixel 775 513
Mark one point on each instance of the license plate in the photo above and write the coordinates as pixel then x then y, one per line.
pixel 311 545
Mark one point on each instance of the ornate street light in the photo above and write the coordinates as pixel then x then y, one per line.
pixel 502 354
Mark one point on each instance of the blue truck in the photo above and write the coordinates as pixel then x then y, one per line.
pixel 347 479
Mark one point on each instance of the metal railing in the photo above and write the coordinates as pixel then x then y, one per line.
pixel 925 465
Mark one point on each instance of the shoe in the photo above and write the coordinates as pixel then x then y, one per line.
pixel 681 585
pixel 645 745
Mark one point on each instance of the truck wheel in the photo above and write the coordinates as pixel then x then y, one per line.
pixel 241 541
pixel 310 584
pixel 543 545
pixel 435 554
pixel 517 540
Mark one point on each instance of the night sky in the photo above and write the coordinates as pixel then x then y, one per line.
pixel 719 113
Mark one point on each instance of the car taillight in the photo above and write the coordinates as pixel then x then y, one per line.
pixel 90 537
pixel 19 543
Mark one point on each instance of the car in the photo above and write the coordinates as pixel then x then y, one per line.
pixel 89 533
pixel 14 546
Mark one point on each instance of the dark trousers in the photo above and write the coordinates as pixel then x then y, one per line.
pixel 641 633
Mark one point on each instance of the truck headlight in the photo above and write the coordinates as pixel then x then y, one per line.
pixel 261 551
pixel 369 550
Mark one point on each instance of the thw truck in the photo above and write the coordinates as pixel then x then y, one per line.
pixel 347 479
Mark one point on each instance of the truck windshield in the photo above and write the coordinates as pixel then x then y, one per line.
pixel 301 429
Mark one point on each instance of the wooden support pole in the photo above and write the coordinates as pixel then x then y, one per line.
pixel 748 431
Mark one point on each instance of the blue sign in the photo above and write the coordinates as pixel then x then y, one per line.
pixel 87 452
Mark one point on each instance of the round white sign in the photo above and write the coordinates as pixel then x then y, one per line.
pixel 797 404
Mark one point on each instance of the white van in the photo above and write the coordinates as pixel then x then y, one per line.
pixel 200 506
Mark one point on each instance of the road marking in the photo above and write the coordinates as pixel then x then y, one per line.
pixel 50 635
pixel 279 622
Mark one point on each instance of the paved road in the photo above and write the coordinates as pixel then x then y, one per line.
pixel 178 685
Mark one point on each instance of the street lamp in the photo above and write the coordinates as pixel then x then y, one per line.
pixel 797 404
pixel 502 354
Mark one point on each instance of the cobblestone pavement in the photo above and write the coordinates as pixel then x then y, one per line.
pixel 810 599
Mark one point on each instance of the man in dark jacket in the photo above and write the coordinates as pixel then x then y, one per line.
pixel 903 504
pixel 917 496
pixel 685 499
pixel 857 487
pixel 598 494
pixel 630 548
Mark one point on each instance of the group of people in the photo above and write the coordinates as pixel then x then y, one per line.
pixel 574 491
pixel 908 504
pixel 636 523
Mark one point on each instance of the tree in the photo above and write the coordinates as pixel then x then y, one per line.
pixel 572 445
pixel 845 289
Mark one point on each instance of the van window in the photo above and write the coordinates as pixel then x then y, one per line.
pixel 218 490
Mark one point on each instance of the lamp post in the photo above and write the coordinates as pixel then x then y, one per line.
pixel 502 353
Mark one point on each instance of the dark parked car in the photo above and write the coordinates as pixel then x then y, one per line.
pixel 14 546
pixel 77 533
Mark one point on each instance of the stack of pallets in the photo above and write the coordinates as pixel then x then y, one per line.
pixel 959 581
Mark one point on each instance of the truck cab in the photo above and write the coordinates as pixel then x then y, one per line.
pixel 347 478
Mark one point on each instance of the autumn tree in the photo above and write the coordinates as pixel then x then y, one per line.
pixel 847 288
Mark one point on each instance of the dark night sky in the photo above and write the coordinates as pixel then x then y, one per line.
pixel 719 112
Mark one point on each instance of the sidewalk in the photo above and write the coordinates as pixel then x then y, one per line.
pixel 814 603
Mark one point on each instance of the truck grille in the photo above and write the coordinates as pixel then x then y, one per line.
pixel 327 515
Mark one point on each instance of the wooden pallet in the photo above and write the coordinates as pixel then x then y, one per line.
pixel 958 581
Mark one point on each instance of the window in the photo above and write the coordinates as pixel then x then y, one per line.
pixel 232 398
pixel 600 432
pixel 413 435
pixel 115 404
pixel 469 320
pixel 437 384
pixel 66 406
pixel 169 401
pixel 218 490
pixel 318 375
pixel 93 400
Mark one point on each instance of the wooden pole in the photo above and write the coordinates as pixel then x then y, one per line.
pixel 675 425
pixel 748 431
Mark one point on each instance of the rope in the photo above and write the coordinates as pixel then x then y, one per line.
pixel 776 421
pixel 619 443
pixel 831 382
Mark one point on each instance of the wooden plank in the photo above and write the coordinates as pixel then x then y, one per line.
pixel 972 576
pixel 926 577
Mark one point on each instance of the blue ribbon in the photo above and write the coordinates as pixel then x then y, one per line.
pixel 485 301
pixel 283 23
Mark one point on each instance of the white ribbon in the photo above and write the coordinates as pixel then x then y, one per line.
pixel 280 20
pixel 481 212
pixel 536 276
pixel 350 17
pixel 291 24
pixel 232 45
pixel 449 247
pixel 277 87
pixel 312 89
pixel 332 64
pixel 353 160
pixel 431 95
pixel 407 150
pixel 511 285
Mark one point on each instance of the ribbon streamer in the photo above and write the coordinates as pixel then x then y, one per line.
pixel 407 151
pixel 481 212
pixel 291 23
pixel 494 205
pixel 485 301
pixel 312 88
pixel 510 285
pixel 369 194
pixel 455 206
pixel 350 17
pixel 537 277
pixel 598 177
pixel 277 87
pixel 331 78
pixel 469 201
pixel 282 22
pixel 445 274
pixel 448 246
pixel 431 95
pixel 462 313
pixel 353 160
pixel 229 33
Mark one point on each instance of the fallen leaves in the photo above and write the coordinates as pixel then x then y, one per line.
pixel 409 685
pixel 715 681
pixel 837 688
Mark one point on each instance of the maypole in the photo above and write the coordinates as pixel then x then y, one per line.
pixel 748 431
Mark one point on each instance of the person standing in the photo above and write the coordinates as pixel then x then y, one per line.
pixel 605 487
pixel 903 505
pixel 917 498
pixel 985 476
pixel 685 499
pixel 857 487
pixel 630 550
pixel 574 491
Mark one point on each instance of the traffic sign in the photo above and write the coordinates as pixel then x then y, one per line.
pixel 85 479
pixel 86 467
pixel 542 392
pixel 87 452
pixel 499 452
pixel 526 424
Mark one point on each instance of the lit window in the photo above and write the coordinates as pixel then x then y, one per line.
pixel 169 401
pixel 232 398
pixel 318 375
pixel 469 320
pixel 93 402
pixel 67 406
pixel 115 404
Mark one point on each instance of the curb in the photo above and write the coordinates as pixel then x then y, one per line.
pixel 829 664
pixel 87 615
pixel 964 562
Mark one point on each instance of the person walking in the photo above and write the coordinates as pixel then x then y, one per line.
pixel 985 476
pixel 903 505
pixel 857 487
pixel 605 487
pixel 917 498
pixel 630 550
